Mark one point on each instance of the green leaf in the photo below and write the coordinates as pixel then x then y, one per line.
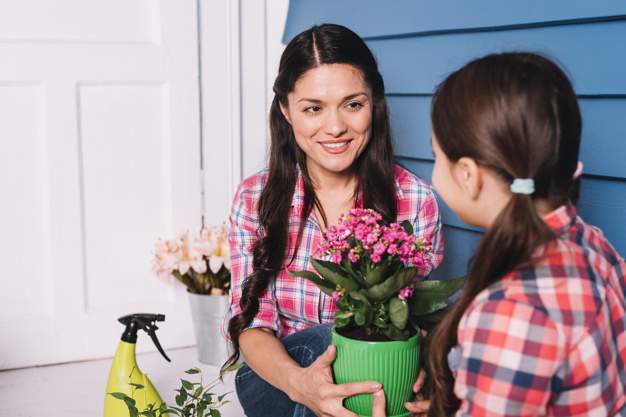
pixel 392 285
pixel 136 386
pixel 325 286
pixel 119 395
pixel 342 321
pixel 398 312
pixel 376 275
pixel 215 413
pixel 381 323
pixel 394 333
pixel 193 371
pixel 221 397
pixel 188 385
pixel 407 226
pixel 347 266
pixel 432 295
pixel 343 315
pixel 198 392
pixel 234 367
pixel 359 318
pixel 130 401
pixel 181 398
pixel 359 296
pixel 335 274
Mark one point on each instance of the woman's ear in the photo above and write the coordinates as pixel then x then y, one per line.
pixel 469 176
pixel 285 112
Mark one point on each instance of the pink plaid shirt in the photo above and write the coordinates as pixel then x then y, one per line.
pixel 290 303
pixel 549 339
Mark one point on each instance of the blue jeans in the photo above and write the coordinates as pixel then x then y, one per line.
pixel 260 399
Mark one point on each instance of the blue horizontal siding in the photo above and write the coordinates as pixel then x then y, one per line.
pixel 590 53
pixel 423 169
pixel 375 18
pixel 603 147
pixel 418 43
pixel 602 203
pixel 460 244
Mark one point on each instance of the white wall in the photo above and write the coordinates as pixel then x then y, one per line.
pixel 104 110
pixel 237 92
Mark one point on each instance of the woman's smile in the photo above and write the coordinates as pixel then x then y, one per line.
pixel 337 146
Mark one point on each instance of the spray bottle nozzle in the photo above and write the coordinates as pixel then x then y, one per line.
pixel 145 322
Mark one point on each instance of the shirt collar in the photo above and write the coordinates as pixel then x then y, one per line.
pixel 298 194
pixel 561 219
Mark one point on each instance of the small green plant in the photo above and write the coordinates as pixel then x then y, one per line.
pixel 194 399
pixel 371 273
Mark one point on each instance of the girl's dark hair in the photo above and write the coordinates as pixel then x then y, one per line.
pixel 517 115
pixel 374 168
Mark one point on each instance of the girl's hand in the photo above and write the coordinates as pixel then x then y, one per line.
pixel 314 387
pixel 378 404
pixel 419 407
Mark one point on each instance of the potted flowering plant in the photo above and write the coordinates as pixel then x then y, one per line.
pixel 371 271
pixel 202 264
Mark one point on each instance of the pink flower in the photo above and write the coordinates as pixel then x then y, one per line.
pixel 379 249
pixel 336 296
pixel 353 256
pixel 336 257
pixel 406 293
pixel 372 237
pixel 375 258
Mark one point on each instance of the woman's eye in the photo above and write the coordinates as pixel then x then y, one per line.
pixel 354 105
pixel 312 109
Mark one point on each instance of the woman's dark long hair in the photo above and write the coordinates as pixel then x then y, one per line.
pixel 374 168
pixel 517 115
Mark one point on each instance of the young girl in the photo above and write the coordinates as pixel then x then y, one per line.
pixel 541 326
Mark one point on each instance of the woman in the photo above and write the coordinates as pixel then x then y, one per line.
pixel 330 151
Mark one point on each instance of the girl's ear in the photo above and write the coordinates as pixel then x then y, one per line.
pixel 285 112
pixel 469 176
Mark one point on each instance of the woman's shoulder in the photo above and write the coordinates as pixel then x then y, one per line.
pixel 248 193
pixel 408 183
pixel 253 183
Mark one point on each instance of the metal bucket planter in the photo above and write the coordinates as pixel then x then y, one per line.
pixel 208 312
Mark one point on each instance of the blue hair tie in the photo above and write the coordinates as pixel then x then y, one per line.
pixel 523 186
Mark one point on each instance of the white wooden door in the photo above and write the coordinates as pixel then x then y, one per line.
pixel 100 156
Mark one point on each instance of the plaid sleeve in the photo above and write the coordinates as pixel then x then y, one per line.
pixel 427 224
pixel 244 225
pixel 510 353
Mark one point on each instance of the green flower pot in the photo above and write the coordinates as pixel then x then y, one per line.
pixel 394 364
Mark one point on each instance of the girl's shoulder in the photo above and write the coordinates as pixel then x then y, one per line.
pixel 567 281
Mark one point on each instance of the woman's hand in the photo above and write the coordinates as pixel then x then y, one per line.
pixel 314 387
pixel 419 407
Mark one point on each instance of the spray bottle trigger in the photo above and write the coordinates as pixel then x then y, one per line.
pixel 153 336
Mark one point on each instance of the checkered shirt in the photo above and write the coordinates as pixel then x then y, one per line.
pixel 550 338
pixel 290 303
